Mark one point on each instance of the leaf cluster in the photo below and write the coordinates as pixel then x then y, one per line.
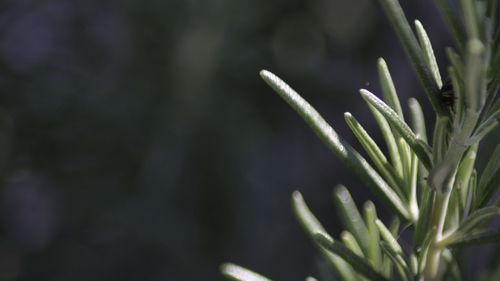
pixel 432 186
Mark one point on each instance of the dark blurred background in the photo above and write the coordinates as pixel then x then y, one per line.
pixel 137 141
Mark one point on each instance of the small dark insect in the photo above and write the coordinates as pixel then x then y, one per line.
pixel 447 95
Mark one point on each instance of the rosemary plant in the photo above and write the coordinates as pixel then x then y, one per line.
pixel 432 185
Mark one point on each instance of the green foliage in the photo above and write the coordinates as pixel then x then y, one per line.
pixel 454 207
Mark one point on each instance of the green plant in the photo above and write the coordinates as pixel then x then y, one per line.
pixel 433 187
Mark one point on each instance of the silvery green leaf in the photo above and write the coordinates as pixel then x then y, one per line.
pixel 418 146
pixel 370 215
pixel 425 43
pixel 417 58
pixel 480 237
pixel 351 217
pixel 388 88
pixel 238 273
pixel 374 153
pixel 397 259
pixel 340 148
pixel 453 22
pixel 361 265
pixel 351 243
pixel 311 225
pixel 417 119
pixel 388 237
pixel 476 219
pixel 489 182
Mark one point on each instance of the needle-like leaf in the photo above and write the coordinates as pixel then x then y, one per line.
pixel 482 237
pixel 403 30
pixel 453 23
pixel 351 243
pixel 397 259
pixel 423 249
pixel 375 154
pixel 418 146
pixel 351 217
pixel 387 236
pixel 440 141
pixel 417 119
pixel 474 220
pixel 390 140
pixel 425 43
pixel 388 88
pixel 370 215
pixel 424 217
pixel 343 150
pixel 311 225
pixel 238 273
pixel 361 265
pixel 464 172
pixel 490 180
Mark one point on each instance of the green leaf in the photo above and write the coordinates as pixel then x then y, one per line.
pixel 440 139
pixel 463 174
pixel 390 141
pixel 494 109
pixel 424 217
pixel 458 104
pixel 423 249
pixel 340 148
pixel 481 237
pixel 425 43
pixel 474 220
pixel 375 153
pixel 494 74
pixel 471 24
pixel 414 265
pixel 417 119
pixel 485 128
pixel 394 227
pixel 305 216
pixel 490 179
pixel 453 211
pixel 370 215
pixel 309 278
pixel 387 236
pixel 397 259
pixel 418 146
pixel 388 88
pixel 453 23
pixel 407 156
pixel 238 273
pixel 486 193
pixel 351 243
pixel 413 176
pixel 361 265
pixel 452 268
pixel 472 193
pixel 475 80
pixel 403 30
pixel 478 218
pixel 351 217
pixel 311 225
pixel 456 63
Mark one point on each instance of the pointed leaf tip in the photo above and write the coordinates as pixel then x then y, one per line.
pixel 360 264
pixel 238 273
pixel 421 149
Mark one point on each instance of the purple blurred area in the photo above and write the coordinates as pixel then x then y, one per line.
pixel 137 141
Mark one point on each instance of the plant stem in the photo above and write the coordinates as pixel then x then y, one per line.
pixel 442 178
pixel 438 218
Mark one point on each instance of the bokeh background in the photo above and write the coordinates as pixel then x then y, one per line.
pixel 137 141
